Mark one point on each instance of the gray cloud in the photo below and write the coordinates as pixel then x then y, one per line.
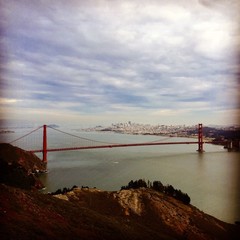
pixel 131 57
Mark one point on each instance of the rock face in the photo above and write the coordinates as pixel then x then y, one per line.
pixel 130 201
pixel 18 167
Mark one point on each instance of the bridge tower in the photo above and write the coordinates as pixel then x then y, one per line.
pixel 44 151
pixel 200 138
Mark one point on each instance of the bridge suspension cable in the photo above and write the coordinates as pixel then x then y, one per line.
pixel 88 144
pixel 160 140
pixel 26 135
pixel 79 137
pixel 104 142
pixel 83 138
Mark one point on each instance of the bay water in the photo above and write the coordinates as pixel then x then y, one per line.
pixel 211 179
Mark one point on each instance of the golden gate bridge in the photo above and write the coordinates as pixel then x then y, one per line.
pixel 86 143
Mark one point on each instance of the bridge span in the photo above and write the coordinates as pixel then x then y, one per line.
pixel 45 149
pixel 114 146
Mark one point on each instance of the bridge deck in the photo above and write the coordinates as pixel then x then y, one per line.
pixel 113 146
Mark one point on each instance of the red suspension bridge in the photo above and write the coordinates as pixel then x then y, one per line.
pixel 86 143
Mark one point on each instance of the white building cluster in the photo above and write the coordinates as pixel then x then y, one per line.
pixel 147 129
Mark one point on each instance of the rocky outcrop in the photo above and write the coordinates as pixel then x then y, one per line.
pixel 131 201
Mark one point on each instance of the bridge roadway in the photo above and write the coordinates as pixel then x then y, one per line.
pixel 115 146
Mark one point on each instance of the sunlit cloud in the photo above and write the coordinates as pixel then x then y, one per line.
pixel 9 101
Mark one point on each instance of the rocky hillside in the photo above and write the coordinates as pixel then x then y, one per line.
pixel 94 214
pixel 19 168
pixel 84 213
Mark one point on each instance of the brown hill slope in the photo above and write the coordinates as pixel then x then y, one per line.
pixel 93 214
pixel 32 215
pixel 18 167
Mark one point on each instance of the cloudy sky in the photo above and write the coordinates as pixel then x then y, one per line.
pixel 106 61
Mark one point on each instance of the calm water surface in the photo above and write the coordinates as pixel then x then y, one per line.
pixel 211 179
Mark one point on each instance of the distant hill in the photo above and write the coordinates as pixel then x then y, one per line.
pixel 227 133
